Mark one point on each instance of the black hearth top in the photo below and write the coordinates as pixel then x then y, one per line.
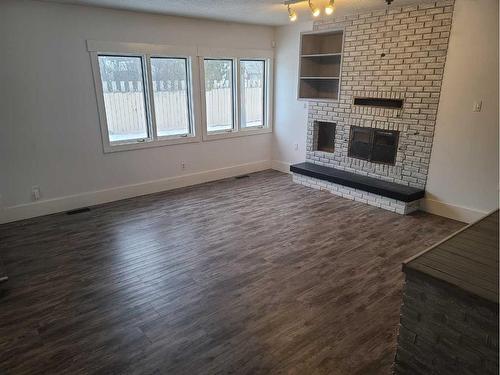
pixel 356 181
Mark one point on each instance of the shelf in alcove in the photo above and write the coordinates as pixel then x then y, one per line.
pixel 320 61
pixel 319 77
pixel 314 88
pixel 322 55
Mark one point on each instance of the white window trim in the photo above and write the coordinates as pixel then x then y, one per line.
pixel 194 56
pixel 236 55
pixel 146 51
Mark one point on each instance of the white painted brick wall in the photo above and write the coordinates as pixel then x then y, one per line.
pixel 357 195
pixel 415 41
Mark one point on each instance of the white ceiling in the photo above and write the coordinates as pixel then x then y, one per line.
pixel 265 12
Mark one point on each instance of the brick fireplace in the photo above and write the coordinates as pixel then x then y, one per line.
pixel 391 73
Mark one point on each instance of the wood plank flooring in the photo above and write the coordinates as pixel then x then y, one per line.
pixel 250 276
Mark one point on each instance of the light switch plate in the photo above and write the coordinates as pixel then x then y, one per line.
pixel 477 106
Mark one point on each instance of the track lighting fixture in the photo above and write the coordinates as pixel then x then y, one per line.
pixel 330 8
pixel 314 10
pixel 292 14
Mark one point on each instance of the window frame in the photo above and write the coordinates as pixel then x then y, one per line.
pixel 189 84
pixel 194 56
pixel 235 109
pixel 146 103
pixel 146 52
pixel 264 96
pixel 237 55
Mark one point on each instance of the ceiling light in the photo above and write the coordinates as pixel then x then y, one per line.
pixel 330 8
pixel 315 11
pixel 292 14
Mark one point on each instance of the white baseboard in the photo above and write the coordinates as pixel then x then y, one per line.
pixel 281 166
pixel 71 202
pixel 464 214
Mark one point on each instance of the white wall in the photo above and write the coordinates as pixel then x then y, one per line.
pixel 463 178
pixel 290 114
pixel 464 163
pixel 50 134
pixel 49 129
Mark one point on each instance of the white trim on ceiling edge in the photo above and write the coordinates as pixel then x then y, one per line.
pixel 432 206
pixel 70 202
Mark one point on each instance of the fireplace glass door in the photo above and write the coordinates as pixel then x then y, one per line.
pixel 375 145
pixel 384 146
pixel 360 144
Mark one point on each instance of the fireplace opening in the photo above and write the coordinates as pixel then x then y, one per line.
pixel 325 136
pixel 375 145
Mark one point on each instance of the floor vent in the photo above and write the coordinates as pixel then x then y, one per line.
pixel 242 176
pixel 78 211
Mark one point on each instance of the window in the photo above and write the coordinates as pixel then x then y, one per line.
pixel 237 92
pixel 219 95
pixel 122 79
pixel 154 95
pixel 171 96
pixel 252 91
pixel 144 94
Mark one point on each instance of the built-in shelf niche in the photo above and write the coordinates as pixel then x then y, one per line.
pixel 320 65
pixel 322 42
pixel 319 88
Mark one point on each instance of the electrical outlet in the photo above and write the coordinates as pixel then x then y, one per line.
pixel 296 147
pixel 35 193
pixel 477 106
pixel 183 165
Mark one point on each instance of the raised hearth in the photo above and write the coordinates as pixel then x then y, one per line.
pixel 384 194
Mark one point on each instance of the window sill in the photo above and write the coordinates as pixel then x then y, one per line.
pixel 235 134
pixel 164 141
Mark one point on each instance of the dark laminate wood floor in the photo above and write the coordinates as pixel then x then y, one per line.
pixel 250 276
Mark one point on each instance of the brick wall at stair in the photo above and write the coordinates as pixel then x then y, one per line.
pixel 445 331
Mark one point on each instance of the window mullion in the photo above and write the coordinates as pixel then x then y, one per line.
pixel 202 95
pixel 190 102
pixel 237 95
pixel 265 95
pixel 153 133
